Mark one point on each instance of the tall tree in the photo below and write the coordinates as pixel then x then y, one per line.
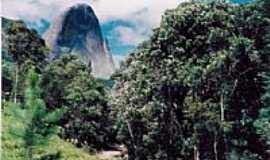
pixel 193 90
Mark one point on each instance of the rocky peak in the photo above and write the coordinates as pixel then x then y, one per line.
pixel 77 31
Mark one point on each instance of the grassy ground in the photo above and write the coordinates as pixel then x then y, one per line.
pixel 56 149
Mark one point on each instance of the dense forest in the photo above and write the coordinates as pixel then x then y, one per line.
pixel 197 89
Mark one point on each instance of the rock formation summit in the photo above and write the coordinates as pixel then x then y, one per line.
pixel 77 31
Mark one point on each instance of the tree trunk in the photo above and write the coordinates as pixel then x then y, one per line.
pixel 131 134
pixel 134 151
pixel 222 118
pixel 215 147
pixel 16 84
pixel 196 153
pixel 29 153
pixel 222 107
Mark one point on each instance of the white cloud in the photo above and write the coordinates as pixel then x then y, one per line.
pixel 142 14
pixel 148 11
pixel 128 35
pixel 36 9
pixel 118 59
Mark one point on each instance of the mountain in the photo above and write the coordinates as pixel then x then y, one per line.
pixel 77 31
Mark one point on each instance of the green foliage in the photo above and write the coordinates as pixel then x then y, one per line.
pixel 68 83
pixel 197 77
pixel 262 124
pixel 264 6
pixel 57 75
pixel 87 114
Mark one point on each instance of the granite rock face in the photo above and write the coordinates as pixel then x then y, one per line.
pixel 77 31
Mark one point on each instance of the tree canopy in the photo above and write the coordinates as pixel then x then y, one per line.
pixel 68 83
pixel 198 76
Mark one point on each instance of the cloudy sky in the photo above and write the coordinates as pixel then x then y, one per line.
pixel 124 22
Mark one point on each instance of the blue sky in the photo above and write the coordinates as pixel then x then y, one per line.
pixel 125 23
pixel 116 45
